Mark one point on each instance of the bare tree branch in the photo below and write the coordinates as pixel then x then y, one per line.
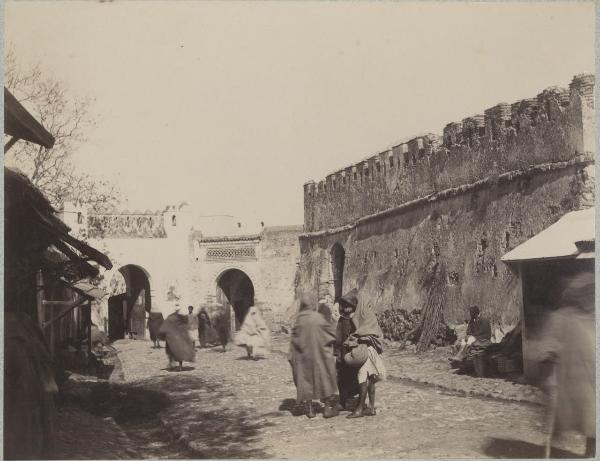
pixel 68 120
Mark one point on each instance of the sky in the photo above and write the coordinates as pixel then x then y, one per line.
pixel 232 106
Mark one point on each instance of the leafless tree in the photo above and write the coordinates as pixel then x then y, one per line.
pixel 68 119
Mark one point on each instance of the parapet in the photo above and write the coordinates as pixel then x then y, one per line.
pixel 126 224
pixel 557 119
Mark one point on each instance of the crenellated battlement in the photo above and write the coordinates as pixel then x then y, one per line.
pixel 555 126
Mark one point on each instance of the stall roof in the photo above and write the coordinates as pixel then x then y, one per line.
pixel 559 240
pixel 27 206
pixel 22 125
pixel 89 290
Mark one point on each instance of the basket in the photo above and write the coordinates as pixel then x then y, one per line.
pixel 506 365
pixel 479 363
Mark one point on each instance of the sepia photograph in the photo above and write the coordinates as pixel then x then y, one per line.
pixel 299 230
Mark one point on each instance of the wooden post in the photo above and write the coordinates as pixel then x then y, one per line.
pixel 88 314
pixel 523 297
pixel 40 299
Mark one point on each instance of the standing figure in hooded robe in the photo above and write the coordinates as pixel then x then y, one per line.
pixel 254 335
pixel 362 349
pixel 179 344
pixel 204 327
pixel 155 320
pixel 223 327
pixel 566 346
pixel 347 376
pixel 311 357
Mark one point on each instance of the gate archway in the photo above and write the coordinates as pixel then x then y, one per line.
pixel 128 304
pixel 235 291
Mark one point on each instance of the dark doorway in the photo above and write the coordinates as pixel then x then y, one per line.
pixel 338 259
pixel 133 304
pixel 235 289
pixel 117 311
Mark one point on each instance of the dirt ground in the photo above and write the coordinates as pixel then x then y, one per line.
pixel 225 406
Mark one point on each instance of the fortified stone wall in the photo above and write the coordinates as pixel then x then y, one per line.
pixel 442 216
pixel 555 126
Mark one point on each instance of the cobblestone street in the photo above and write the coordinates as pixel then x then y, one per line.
pixel 225 406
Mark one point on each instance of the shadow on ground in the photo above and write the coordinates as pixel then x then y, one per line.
pixel 209 418
pixel 508 448
pixel 177 370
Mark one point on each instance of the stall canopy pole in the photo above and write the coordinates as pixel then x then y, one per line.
pixel 40 298
pixel 10 143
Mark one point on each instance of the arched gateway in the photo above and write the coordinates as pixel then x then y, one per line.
pixel 129 302
pixel 235 291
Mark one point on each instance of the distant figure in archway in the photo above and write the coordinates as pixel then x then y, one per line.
pixel 223 326
pixel 179 344
pixel 254 335
pixel 204 327
pixel 155 320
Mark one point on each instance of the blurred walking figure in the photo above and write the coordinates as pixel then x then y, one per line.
pixel 179 344
pixel 254 335
pixel 312 360
pixel 223 327
pixel 204 327
pixel 155 320
pixel 193 325
pixel 566 345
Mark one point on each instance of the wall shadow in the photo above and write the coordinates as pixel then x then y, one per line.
pixel 519 449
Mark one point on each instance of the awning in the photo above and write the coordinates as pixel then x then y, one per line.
pixel 563 239
pixel 21 125
pixel 26 208
pixel 89 290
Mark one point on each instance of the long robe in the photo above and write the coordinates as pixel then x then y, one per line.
pixel 311 356
pixel 29 386
pixel 364 328
pixel 155 320
pixel 254 333
pixel 204 327
pixel 568 340
pixel 179 343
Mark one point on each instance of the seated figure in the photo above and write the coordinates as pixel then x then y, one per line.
pixel 478 337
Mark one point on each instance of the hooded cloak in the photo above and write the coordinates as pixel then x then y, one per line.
pixel 179 343
pixel 367 329
pixel 155 320
pixel 311 355
pixel 254 332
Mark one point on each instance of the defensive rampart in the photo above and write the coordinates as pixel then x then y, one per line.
pixel 556 126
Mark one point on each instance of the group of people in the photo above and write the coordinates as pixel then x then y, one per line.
pixel 181 332
pixel 334 363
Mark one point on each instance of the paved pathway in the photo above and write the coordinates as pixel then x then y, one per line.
pixel 224 406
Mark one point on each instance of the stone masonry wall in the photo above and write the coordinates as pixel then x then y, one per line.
pixel 448 216
pixel 279 257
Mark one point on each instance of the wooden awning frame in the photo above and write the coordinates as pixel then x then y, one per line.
pixel 20 124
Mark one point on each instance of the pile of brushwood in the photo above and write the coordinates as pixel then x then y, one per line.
pixel 407 327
